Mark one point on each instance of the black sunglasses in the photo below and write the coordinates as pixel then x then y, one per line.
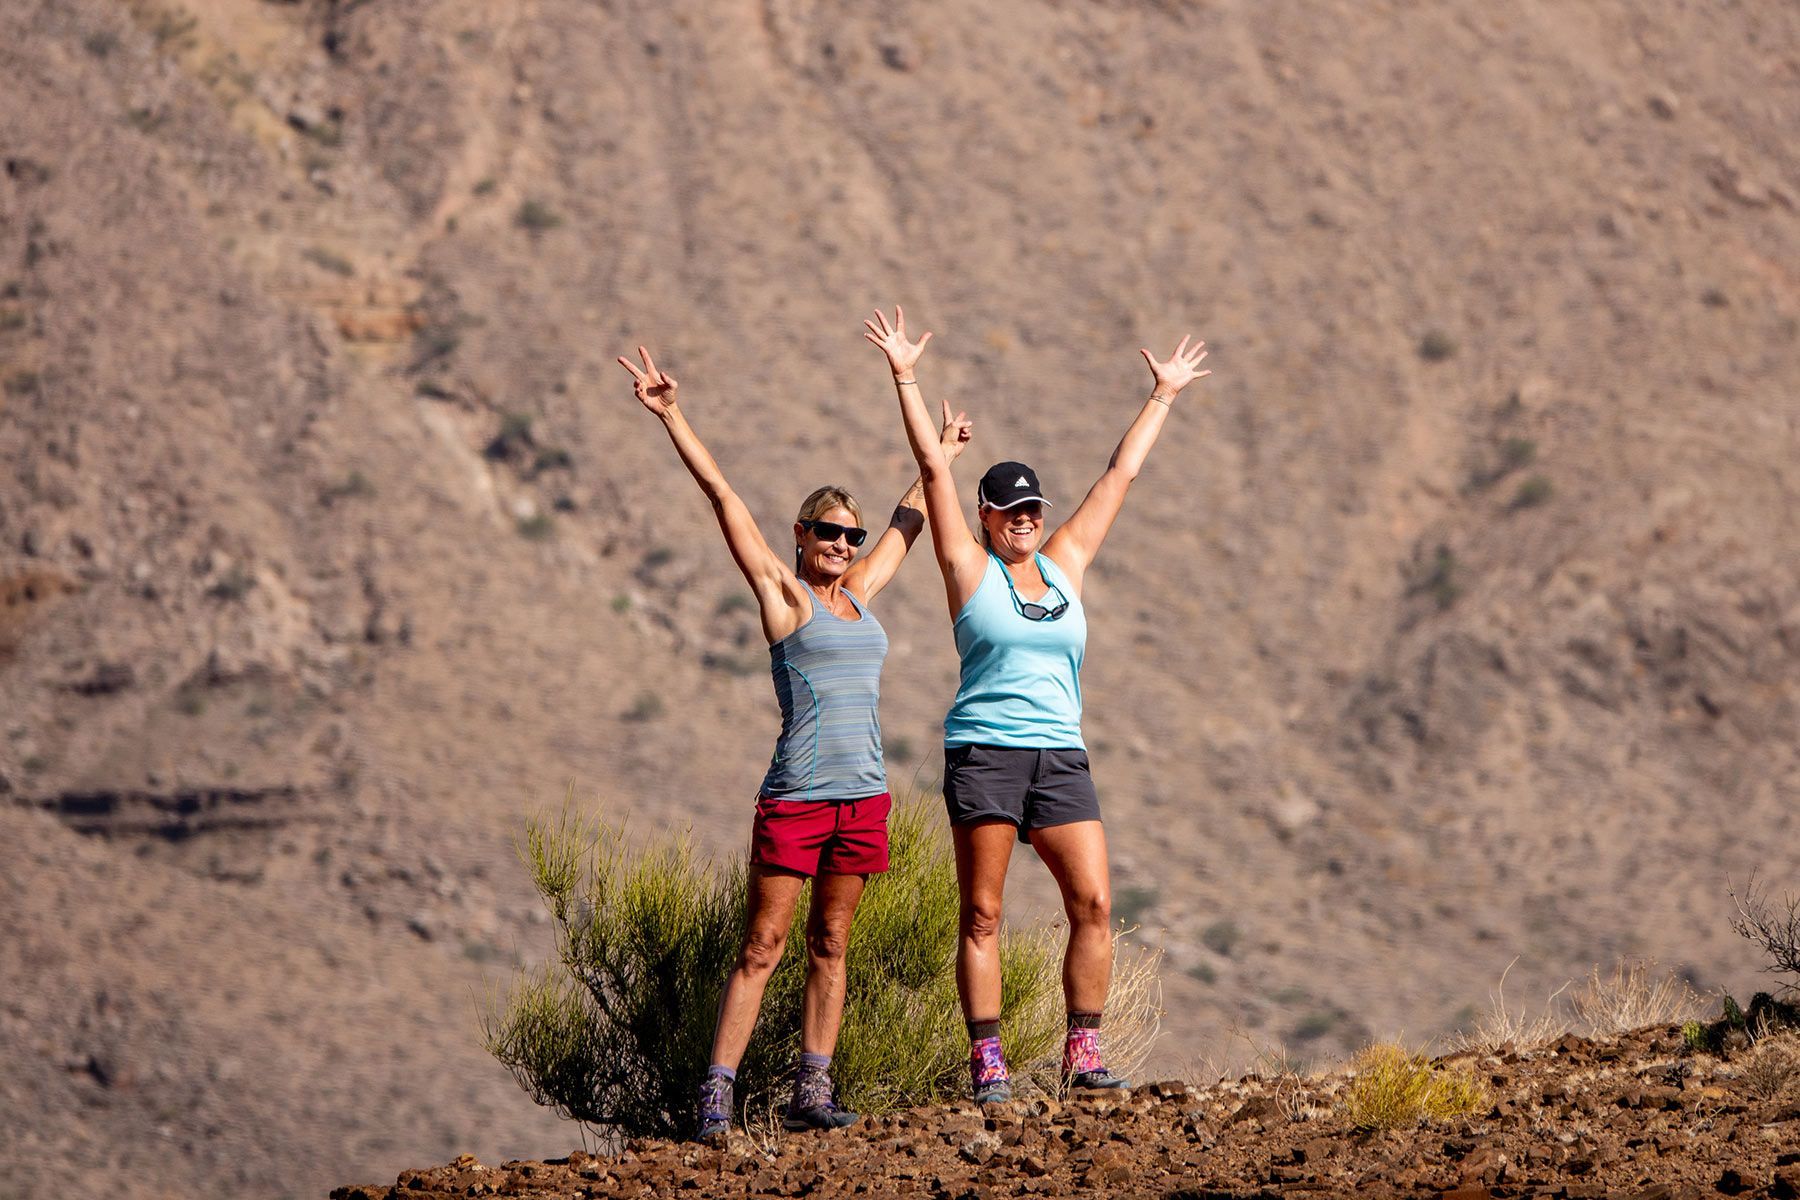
pixel 829 531
pixel 1031 610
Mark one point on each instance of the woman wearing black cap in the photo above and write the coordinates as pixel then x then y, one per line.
pixel 1014 761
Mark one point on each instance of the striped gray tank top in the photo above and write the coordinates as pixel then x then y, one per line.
pixel 828 680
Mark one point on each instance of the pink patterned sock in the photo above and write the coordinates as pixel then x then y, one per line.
pixel 1081 1052
pixel 986 1064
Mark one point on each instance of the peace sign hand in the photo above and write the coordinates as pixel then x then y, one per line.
pixel 901 354
pixel 655 389
pixel 1181 369
pixel 956 433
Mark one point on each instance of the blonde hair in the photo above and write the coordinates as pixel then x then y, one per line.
pixel 827 498
pixel 823 501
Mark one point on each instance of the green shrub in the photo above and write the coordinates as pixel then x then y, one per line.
pixel 513 439
pixel 536 216
pixel 1314 1025
pixel 1516 452
pixel 536 527
pixel 235 584
pixel 1221 937
pixel 354 486
pixel 617 1032
pixel 1533 492
pixel 327 260
pixel 647 707
pixel 552 458
pixel 1437 578
pixel 1436 346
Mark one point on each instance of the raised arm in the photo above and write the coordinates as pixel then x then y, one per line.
pixel 960 557
pixel 1075 543
pixel 874 570
pixel 776 588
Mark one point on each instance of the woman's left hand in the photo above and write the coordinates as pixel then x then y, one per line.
pixel 1181 369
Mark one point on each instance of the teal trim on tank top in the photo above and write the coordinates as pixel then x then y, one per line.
pixel 1021 679
pixel 827 676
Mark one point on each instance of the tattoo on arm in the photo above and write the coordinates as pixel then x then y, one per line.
pixel 914 500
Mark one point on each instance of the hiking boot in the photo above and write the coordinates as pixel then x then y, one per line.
pixel 1097 1079
pixel 714 1110
pixel 814 1104
pixel 988 1078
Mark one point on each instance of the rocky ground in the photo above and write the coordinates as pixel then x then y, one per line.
pixel 1632 1116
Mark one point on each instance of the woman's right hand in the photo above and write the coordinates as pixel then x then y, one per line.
pixel 954 438
pixel 901 354
pixel 655 389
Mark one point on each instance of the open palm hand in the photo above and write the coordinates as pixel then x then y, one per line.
pixel 1181 368
pixel 901 354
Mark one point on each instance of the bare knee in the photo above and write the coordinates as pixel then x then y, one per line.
pixel 1088 910
pixel 981 920
pixel 828 941
pixel 761 952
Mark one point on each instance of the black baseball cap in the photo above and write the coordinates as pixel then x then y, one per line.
pixel 1007 485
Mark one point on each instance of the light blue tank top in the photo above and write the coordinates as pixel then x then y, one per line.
pixel 828 680
pixel 1021 679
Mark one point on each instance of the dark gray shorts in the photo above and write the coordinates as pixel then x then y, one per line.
pixel 1034 789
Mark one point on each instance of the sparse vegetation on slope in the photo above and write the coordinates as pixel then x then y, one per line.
pixel 616 1033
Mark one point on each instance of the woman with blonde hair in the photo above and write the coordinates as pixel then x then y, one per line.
pixel 822 809
pixel 1014 760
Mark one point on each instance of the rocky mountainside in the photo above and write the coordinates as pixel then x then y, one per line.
pixel 1453 621
pixel 1575 1120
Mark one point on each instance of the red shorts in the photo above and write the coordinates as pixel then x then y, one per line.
pixel 837 837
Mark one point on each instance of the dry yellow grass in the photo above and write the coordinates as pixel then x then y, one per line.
pixel 1392 1088
pixel 1632 997
pixel 1506 1025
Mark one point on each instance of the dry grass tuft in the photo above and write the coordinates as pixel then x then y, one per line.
pixel 1133 1013
pixel 1502 1025
pixel 1296 1093
pixel 1772 1066
pixel 1393 1088
pixel 1636 994
pixel 1133 1007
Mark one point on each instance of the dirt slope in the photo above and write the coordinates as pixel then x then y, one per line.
pixel 1455 621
